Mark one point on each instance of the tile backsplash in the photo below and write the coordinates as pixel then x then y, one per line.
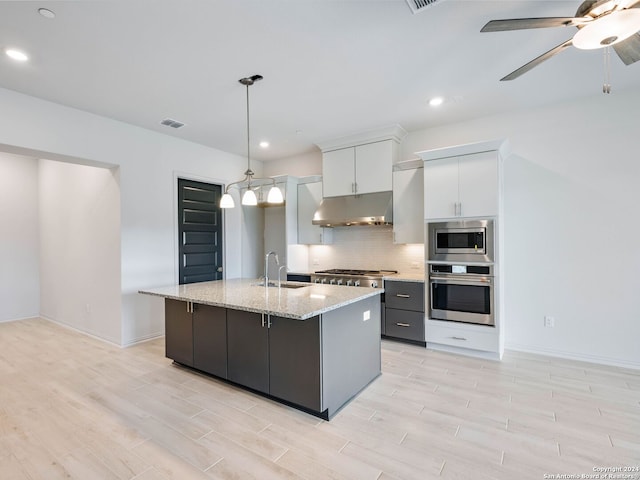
pixel 366 247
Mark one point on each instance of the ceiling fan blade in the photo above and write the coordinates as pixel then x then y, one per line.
pixel 525 23
pixel 629 50
pixel 536 61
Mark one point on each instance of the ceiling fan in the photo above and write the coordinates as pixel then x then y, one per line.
pixel 600 23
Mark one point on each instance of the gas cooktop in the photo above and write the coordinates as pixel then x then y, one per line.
pixel 351 277
pixel 367 273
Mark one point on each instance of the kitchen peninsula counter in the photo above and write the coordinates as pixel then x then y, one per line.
pixel 313 347
pixel 297 303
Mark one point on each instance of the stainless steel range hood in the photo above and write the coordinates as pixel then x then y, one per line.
pixel 366 209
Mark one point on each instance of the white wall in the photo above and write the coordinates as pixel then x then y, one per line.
pixel 367 247
pixel 19 277
pixel 571 223
pixel 148 164
pixel 79 212
pixel 297 166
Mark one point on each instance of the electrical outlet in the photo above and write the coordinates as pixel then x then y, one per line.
pixel 549 321
pixel 316 262
pixel 415 265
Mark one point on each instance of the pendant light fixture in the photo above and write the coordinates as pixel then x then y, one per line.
pixel 249 198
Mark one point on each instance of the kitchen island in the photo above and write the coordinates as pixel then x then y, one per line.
pixel 310 346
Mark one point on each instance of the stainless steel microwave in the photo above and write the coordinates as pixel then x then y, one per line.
pixel 461 241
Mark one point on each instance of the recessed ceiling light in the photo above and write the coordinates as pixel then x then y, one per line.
pixel 436 101
pixel 46 13
pixel 264 144
pixel 16 55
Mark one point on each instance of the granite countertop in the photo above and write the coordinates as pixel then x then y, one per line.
pixel 243 294
pixel 406 277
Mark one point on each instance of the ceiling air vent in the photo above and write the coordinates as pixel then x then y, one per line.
pixel 170 122
pixel 420 5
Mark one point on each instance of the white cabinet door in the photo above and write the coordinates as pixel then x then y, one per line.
pixel 408 206
pixel 309 198
pixel 374 163
pixel 478 184
pixel 338 172
pixel 441 188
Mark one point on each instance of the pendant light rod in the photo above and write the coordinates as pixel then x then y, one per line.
pixel 247 82
pixel 249 198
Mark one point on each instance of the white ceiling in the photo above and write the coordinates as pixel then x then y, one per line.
pixel 330 67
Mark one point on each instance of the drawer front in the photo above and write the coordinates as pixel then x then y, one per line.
pixel 405 295
pixel 464 338
pixel 404 324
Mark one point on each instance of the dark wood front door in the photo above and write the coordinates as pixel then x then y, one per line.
pixel 199 231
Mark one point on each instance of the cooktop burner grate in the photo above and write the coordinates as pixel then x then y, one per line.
pixel 354 272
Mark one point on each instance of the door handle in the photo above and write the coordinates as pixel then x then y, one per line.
pixel 403 324
pixel 403 295
pixel 459 338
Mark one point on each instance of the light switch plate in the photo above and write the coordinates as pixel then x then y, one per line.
pixel 366 315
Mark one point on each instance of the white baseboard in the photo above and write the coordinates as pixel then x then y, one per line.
pixel 19 319
pixel 146 338
pixel 602 360
pixel 110 341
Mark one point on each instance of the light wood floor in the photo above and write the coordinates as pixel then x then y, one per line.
pixel 74 407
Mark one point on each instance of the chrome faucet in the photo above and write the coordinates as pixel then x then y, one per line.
pixel 266 266
pixel 280 274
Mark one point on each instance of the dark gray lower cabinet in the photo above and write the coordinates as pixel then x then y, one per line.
pixel 178 326
pixel 275 355
pixel 248 349
pixel 210 339
pixel 294 361
pixel 318 364
pixel 404 311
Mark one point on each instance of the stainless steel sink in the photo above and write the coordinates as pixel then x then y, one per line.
pixel 282 285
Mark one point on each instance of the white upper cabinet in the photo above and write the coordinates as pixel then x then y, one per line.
pixel 478 185
pixel 374 162
pixel 408 202
pixel 464 185
pixel 358 170
pixel 360 163
pixel 309 198
pixel 338 172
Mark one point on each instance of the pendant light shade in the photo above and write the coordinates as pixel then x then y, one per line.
pixel 249 197
pixel 275 195
pixel 227 201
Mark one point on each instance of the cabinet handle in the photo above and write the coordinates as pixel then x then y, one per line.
pixel 403 295
pixel 188 311
pixel 459 209
pixel 263 319
pixel 356 187
pixel 189 307
pixel 353 188
pixel 459 338
pixel 403 324
pixel 268 321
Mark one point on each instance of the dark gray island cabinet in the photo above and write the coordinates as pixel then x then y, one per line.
pixel 316 364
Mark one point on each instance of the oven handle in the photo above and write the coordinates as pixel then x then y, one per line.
pixel 460 280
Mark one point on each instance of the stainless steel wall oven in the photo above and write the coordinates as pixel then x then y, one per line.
pixel 460 271
pixel 462 293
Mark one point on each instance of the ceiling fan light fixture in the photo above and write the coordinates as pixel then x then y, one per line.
pixel 608 30
pixel 436 101
pixel 17 55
